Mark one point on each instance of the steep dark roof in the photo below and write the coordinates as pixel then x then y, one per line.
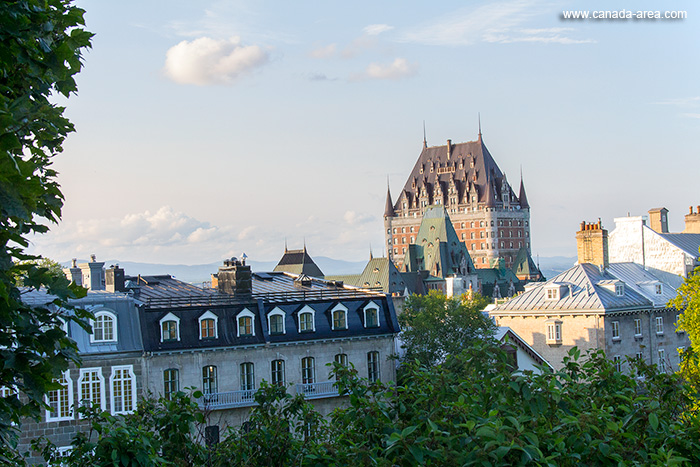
pixel 298 262
pixel 524 265
pixel 523 197
pixel 389 208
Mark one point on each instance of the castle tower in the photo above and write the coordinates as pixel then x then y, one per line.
pixel 389 214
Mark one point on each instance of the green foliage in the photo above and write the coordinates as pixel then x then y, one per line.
pixel 40 46
pixel 435 326
pixel 22 269
pixel 688 300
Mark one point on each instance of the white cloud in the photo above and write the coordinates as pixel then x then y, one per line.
pixel 353 218
pixel 324 51
pixel 399 68
pixel 206 61
pixel 376 29
pixel 492 22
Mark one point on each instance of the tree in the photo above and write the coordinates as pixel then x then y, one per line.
pixel 52 267
pixel 435 326
pixel 688 300
pixel 40 52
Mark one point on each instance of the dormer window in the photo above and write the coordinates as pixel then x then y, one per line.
pixel 340 317
pixel 169 328
pixel 306 319
pixel 275 321
pixel 208 326
pixel 246 323
pixel 371 312
pixel 620 289
pixel 104 328
pixel 659 289
pixel 553 293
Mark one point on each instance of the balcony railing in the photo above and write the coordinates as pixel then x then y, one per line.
pixel 234 399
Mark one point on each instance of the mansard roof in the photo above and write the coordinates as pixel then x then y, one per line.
pixel 298 262
pixel 455 162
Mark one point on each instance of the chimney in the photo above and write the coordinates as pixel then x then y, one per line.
pixel 692 221
pixel 235 278
pixel 449 149
pixel 74 273
pixel 93 274
pixel 658 220
pixel 592 244
pixel 114 279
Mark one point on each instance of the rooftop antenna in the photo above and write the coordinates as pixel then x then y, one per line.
pixel 285 244
pixel 425 139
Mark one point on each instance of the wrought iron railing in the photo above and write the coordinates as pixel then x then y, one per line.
pixel 246 398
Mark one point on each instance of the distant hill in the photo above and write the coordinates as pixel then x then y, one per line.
pixel 553 265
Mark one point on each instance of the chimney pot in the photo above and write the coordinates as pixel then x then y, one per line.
pixel 691 209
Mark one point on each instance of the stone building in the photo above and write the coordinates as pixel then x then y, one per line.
pixel 619 308
pixel 489 217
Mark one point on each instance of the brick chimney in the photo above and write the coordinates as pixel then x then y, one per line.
pixel 658 220
pixel 692 221
pixel 114 279
pixel 235 278
pixel 449 149
pixel 592 244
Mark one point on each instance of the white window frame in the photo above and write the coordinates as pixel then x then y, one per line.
pixel 169 317
pixel 102 390
pixel 368 307
pixel 637 327
pixel 209 315
pixel 344 309
pixel 554 332
pixel 50 416
pixel 661 352
pixel 619 289
pixel 659 325
pixel 245 313
pixel 277 311
pixel 659 289
pixel 93 322
pixel 130 371
pixel 308 309
pixel 617 361
pixel 616 330
pixel 377 368
pixel 552 293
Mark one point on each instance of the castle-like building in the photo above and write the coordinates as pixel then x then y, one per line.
pixel 488 216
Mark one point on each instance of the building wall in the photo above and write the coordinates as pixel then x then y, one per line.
pixel 583 330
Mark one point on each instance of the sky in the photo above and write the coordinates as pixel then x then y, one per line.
pixel 209 129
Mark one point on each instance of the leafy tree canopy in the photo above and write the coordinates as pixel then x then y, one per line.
pixel 435 326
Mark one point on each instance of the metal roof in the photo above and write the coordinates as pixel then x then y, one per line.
pixel 688 242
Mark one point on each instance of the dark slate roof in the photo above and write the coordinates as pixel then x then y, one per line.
pixel 584 288
pixel 456 170
pixel 524 264
pixel 523 197
pixel 688 242
pixel 389 208
pixel 298 262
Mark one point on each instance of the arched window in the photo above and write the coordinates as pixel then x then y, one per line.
pixel 371 312
pixel 171 382
pixel 104 327
pixel 306 319
pixel 340 317
pixel 169 328
pixel 246 323
pixel 277 369
pixel 208 326
pixel 275 321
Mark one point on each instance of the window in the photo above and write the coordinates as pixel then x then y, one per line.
pixel 306 319
pixel 246 323
pixel 169 328
pixel 553 293
pixel 371 316
pixel 659 289
pixel 91 386
pixel 662 358
pixel 247 376
pixel 210 384
pixel 679 331
pixel 680 351
pixel 308 373
pixel 373 366
pixel 171 382
pixel 123 384
pixel 60 401
pixel 208 326
pixel 659 325
pixel 275 321
pixel 616 331
pixel 340 317
pixel 617 361
pixel 104 328
pixel 554 332
pixel 277 367
pixel 341 359
pixel 619 289
pixel 637 327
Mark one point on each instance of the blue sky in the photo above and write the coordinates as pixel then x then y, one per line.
pixel 206 129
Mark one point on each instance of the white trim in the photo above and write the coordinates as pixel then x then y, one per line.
pixel 101 378
pixel 344 309
pixel 113 316
pixel 209 315
pixel 308 309
pixel 370 306
pixel 132 376
pixel 277 311
pixel 245 313
pixel 169 317
pixel 69 386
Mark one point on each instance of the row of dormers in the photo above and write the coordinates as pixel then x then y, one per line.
pixel 558 290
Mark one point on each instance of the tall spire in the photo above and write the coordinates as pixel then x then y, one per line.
pixel 389 208
pixel 425 139
pixel 285 244
pixel 522 196
pixel 371 256
pixel 479 126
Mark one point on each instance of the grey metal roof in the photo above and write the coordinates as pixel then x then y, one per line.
pixel 635 276
pixel 688 242
pixel 580 290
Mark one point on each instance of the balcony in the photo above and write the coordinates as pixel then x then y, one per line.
pixel 235 399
